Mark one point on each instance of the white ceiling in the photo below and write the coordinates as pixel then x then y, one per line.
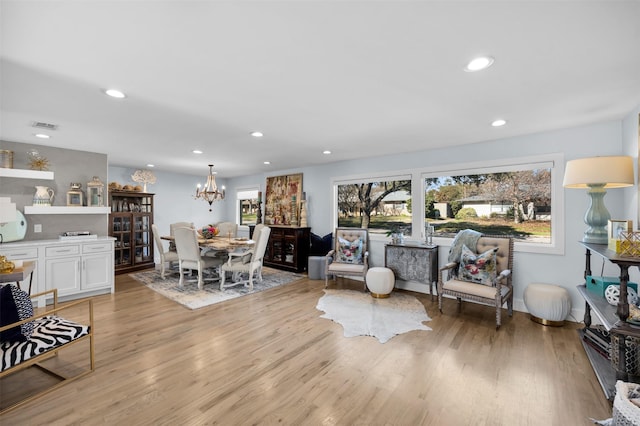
pixel 363 78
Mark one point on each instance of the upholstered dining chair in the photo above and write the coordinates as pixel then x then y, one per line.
pixel 249 263
pixel 227 229
pixel 480 273
pixel 350 255
pixel 189 256
pixel 165 256
pixel 173 227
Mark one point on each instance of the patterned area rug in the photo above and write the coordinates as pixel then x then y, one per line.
pixel 192 298
pixel 362 315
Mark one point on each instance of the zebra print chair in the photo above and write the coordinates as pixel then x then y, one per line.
pixel 50 335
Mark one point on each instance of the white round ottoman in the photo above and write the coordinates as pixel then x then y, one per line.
pixel 380 282
pixel 548 304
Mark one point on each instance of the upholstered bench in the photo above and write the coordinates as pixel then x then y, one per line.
pixel 548 304
pixel 41 337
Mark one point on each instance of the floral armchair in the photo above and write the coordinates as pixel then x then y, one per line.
pixel 479 272
pixel 350 255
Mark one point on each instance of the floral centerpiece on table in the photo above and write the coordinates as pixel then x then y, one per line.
pixel 209 231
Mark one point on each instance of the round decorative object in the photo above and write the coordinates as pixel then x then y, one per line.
pixel 6 266
pixel 612 294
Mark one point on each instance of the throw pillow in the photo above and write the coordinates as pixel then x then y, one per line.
pixel 350 251
pixel 15 305
pixel 320 246
pixel 477 268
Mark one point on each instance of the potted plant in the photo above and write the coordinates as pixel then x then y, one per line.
pixel 396 233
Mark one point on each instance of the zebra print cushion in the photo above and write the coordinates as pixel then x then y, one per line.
pixel 49 333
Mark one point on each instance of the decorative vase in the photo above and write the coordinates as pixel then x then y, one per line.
pixel 43 197
pixel 6 266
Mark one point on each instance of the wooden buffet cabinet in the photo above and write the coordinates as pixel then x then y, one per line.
pixel 288 248
pixel 130 224
pixel 625 338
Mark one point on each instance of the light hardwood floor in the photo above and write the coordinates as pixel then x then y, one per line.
pixel 269 358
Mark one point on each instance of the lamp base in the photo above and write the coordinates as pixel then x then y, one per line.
pixel 597 216
pixel 595 239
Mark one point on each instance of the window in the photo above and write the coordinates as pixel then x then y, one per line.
pixel 520 198
pixel 247 207
pixel 380 204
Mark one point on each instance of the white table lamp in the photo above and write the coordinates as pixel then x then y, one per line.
pixel 598 174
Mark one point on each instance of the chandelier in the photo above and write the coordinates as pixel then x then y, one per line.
pixel 210 191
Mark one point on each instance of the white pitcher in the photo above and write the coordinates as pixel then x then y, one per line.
pixel 43 197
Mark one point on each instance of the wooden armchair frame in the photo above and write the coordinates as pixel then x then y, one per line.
pixel 498 295
pixel 36 360
pixel 334 267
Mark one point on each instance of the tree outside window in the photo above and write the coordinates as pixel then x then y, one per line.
pixel 248 211
pixel 516 203
pixel 380 206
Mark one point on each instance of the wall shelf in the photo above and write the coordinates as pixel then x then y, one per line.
pixel 26 174
pixel 66 210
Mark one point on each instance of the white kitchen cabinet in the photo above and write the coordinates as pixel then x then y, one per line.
pixel 24 254
pixel 63 273
pixel 77 268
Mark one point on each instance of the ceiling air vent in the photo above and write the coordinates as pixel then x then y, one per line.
pixel 43 125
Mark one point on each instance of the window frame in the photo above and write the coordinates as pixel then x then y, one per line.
pixel 553 161
pixel 366 178
pixel 241 194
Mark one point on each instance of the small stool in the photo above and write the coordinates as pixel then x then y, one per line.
pixel 548 304
pixel 380 282
pixel 316 268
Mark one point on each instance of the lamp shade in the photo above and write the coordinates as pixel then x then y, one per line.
pixel 613 172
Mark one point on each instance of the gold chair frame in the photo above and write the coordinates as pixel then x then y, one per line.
pixel 36 360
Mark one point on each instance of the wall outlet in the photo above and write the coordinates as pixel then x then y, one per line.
pixel 37 227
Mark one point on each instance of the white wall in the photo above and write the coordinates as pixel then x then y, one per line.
pixel 173 191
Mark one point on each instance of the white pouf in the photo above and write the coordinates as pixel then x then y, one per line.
pixel 380 282
pixel 548 304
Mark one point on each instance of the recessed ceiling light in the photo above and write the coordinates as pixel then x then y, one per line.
pixel 498 123
pixel 151 165
pixel 257 134
pixel 41 136
pixel 327 152
pixel 267 162
pixel 479 63
pixel 197 151
pixel 115 93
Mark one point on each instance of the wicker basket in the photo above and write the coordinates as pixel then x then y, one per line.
pixel 6 159
pixel 626 412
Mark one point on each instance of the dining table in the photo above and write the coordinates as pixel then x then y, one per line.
pixel 228 244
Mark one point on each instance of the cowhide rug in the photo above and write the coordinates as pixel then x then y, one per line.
pixel 362 315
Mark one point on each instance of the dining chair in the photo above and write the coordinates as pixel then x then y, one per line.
pixel 227 229
pixel 173 227
pixel 165 256
pixel 249 263
pixel 189 256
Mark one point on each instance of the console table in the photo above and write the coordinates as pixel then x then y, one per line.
pixel 613 318
pixel 413 263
